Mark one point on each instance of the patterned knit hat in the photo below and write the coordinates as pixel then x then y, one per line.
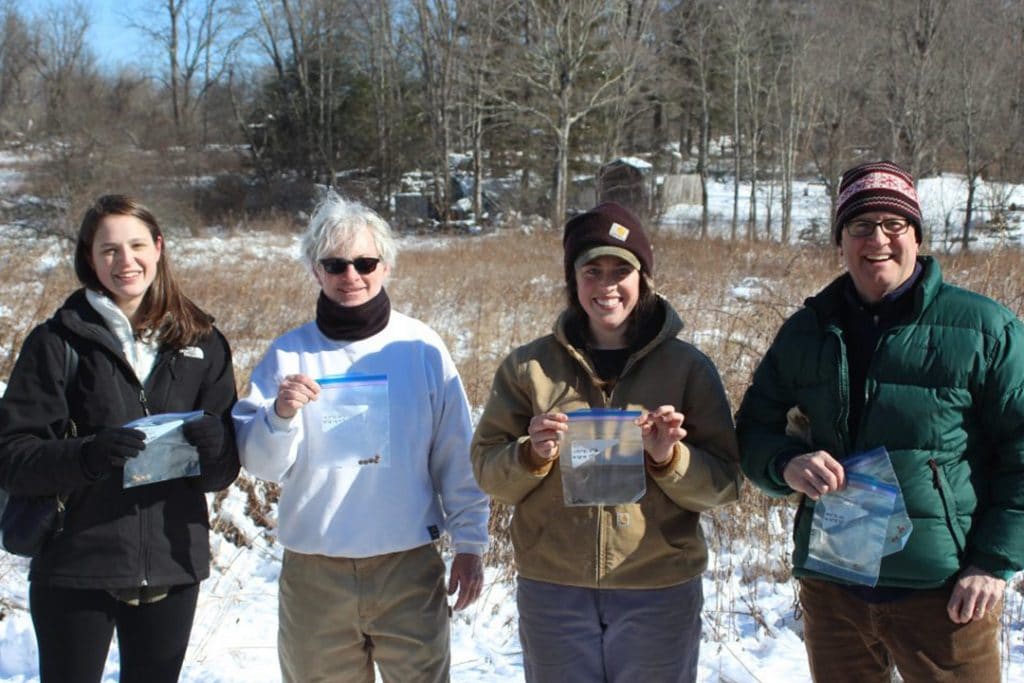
pixel 877 186
pixel 609 229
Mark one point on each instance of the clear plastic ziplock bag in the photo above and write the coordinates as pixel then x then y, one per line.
pixel 168 455
pixel 876 463
pixel 849 528
pixel 349 426
pixel 602 458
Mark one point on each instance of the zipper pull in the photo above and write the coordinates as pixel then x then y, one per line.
pixel 935 473
pixel 60 515
pixel 142 400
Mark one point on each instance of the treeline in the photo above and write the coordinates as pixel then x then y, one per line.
pixel 535 90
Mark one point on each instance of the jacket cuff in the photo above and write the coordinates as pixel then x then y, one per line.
pixel 89 473
pixel 470 548
pixel 666 467
pixel 778 466
pixel 534 465
pixel 278 423
pixel 993 564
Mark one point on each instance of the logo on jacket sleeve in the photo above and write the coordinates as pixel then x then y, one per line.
pixel 192 352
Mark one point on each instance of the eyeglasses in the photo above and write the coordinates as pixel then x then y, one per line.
pixel 894 227
pixel 364 265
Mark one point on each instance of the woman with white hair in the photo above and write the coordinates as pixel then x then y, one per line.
pixel 362 418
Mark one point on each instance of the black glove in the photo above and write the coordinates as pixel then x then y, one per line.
pixel 110 448
pixel 207 435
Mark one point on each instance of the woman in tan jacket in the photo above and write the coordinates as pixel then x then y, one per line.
pixel 609 592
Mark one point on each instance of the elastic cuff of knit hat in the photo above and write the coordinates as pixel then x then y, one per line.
pixel 589 255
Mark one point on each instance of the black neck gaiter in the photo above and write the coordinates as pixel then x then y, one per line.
pixel 352 323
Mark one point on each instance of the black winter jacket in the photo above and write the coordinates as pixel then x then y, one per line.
pixel 156 535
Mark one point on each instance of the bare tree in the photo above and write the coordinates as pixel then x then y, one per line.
pixel 438 23
pixel 797 105
pixel 740 29
pixel 302 37
pixel 482 21
pixel 1012 111
pixel 975 103
pixel 59 58
pixel 380 61
pixel 698 48
pixel 838 67
pixel 197 39
pixel 16 46
pixel 759 70
pixel 572 66
pixel 914 80
pixel 634 25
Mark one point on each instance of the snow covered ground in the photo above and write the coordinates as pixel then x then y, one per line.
pixel 750 630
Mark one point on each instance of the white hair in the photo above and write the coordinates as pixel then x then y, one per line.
pixel 337 222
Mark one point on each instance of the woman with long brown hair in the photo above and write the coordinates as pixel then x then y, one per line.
pixel 129 559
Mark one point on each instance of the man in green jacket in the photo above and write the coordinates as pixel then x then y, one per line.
pixel 890 355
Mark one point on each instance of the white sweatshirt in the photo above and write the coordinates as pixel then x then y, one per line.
pixel 339 508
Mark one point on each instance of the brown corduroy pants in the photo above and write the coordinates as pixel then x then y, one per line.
pixel 340 616
pixel 849 640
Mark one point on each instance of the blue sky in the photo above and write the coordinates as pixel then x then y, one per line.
pixel 110 38
pixel 113 37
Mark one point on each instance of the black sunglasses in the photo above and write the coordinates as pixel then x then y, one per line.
pixel 364 265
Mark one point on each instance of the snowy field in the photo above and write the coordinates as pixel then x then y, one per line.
pixel 750 630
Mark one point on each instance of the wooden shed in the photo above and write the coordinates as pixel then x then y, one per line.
pixel 628 181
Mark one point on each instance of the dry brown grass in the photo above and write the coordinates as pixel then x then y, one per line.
pixel 485 295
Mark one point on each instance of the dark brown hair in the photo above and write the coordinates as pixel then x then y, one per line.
pixel 646 306
pixel 164 312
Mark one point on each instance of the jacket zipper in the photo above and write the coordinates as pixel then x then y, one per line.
pixel 950 520
pixel 144 402
pixel 869 383
pixel 600 522
pixel 840 428
pixel 605 403
pixel 143 517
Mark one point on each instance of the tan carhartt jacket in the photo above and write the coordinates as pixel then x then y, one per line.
pixel 654 543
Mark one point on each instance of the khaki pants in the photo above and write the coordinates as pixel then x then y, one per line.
pixel 848 639
pixel 338 616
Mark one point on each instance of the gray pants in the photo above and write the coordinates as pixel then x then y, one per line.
pixel 589 635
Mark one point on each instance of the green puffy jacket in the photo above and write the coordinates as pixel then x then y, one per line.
pixel 944 394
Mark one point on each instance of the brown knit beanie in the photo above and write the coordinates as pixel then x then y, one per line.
pixel 877 186
pixel 609 229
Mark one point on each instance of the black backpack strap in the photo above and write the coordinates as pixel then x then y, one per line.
pixel 70 368
pixel 70 364
pixel 70 371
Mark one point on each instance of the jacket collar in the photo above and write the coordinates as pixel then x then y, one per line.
pixel 670 328
pixel 82 320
